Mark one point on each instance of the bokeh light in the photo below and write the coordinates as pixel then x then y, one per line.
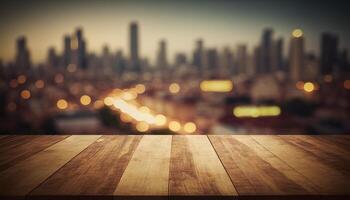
pixel 174 88
pixel 190 127
pixel 85 100
pixel 62 104
pixel 174 126
pixel 25 94
pixel 309 87
pixel 142 127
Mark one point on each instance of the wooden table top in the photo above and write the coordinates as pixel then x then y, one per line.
pixel 163 166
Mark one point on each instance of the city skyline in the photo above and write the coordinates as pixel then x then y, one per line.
pixel 225 29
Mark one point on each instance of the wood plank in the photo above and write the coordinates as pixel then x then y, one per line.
pixel 330 155
pixel 148 170
pixel 13 142
pixel 340 142
pixel 94 172
pixel 329 180
pixel 256 171
pixel 26 147
pixel 195 169
pixel 23 177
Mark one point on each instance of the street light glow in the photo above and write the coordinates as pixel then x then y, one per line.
pixel 216 86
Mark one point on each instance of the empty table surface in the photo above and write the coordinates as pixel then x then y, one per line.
pixel 165 166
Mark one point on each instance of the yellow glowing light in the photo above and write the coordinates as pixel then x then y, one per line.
pixel 160 120
pixel 140 88
pixel 108 101
pixel 39 84
pixel 328 78
pixel 216 86
pixel 13 83
pixel 174 126
pixel 133 111
pixel 174 88
pixel 129 95
pixel 297 33
pixel 144 109
pixel 190 127
pixel 59 78
pixel 256 111
pixel 25 94
pixel 299 85
pixel 347 84
pixel 98 104
pixel 71 68
pixel 62 104
pixel 142 127
pixel 21 79
pixel 85 100
pixel 125 118
pixel 309 87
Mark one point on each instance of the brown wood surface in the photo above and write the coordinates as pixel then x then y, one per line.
pixel 14 150
pixel 95 171
pixel 148 169
pixel 195 169
pixel 256 171
pixel 125 167
pixel 23 177
pixel 327 178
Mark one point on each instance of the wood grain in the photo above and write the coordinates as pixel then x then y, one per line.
pixel 329 180
pixel 256 171
pixel 195 169
pixel 148 170
pixel 95 171
pixel 329 154
pixel 16 150
pixel 23 177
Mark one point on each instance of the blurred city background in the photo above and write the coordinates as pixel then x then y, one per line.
pixel 187 67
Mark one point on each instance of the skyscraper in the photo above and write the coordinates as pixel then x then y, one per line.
pixel 241 58
pixel 226 62
pixel 296 55
pixel 67 53
pixel 198 56
pixel 277 56
pixel 211 62
pixel 22 54
pixel 329 52
pixel 265 53
pixel 52 58
pixel 134 47
pixel 162 55
pixel 180 59
pixel 78 47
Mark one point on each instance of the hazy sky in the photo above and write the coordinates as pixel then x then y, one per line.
pixel 220 23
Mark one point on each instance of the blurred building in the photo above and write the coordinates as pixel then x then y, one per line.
pixel 266 51
pixel 211 61
pixel 241 59
pixel 134 48
pixel 198 55
pixel 67 53
pixel 52 58
pixel 226 62
pixel 296 55
pixel 22 54
pixel 277 56
pixel 162 62
pixel 180 59
pixel 329 52
pixel 78 46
